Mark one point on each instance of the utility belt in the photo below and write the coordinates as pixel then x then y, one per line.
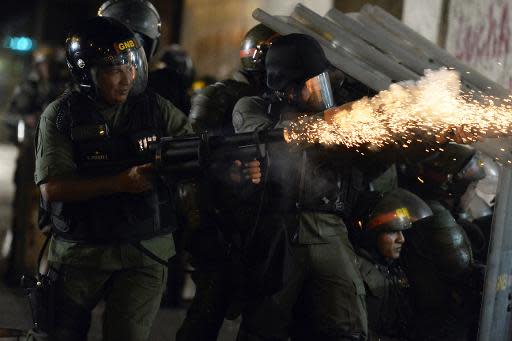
pixel 117 218
pixel 131 238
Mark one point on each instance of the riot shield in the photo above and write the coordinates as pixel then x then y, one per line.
pixel 346 40
pixel 495 316
pixel 375 48
pixel 375 16
pixel 338 57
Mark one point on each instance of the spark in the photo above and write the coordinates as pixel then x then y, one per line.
pixel 433 109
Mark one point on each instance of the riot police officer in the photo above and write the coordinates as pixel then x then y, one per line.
pixel 110 216
pixel 141 17
pixel 170 81
pixel 212 108
pixel 213 246
pixel 438 259
pixel 300 254
pixel 380 242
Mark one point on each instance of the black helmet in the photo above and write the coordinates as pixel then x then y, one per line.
pixel 104 42
pixel 440 239
pixel 297 72
pixel 292 59
pixel 178 60
pixel 448 172
pixel 397 211
pixel 456 160
pixel 140 16
pixel 254 47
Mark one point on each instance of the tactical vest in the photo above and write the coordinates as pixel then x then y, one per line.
pixel 212 108
pixel 387 297
pixel 98 151
pixel 316 178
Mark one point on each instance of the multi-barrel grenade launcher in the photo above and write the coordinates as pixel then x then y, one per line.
pixel 183 156
pixel 191 154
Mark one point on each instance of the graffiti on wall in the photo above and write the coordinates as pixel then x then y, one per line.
pixel 479 33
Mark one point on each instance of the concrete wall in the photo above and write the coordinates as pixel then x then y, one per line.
pixel 479 33
pixel 394 7
pixel 213 29
pixel 424 17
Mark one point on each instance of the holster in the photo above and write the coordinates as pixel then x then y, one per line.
pixel 41 295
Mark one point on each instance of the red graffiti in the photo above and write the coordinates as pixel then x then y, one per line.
pixel 490 39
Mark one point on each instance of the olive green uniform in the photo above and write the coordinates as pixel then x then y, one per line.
pixel 130 282
pixel 326 279
pixel 387 299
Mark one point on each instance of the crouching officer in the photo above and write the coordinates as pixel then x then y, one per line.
pixel 380 243
pixel 446 282
pixel 111 216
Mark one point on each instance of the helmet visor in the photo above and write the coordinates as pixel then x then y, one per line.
pixel 130 64
pixel 317 93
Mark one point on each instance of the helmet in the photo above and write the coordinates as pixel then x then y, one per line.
pixel 487 187
pixel 177 59
pixel 293 59
pixel 297 72
pixel 442 241
pixel 254 47
pixel 456 162
pixel 396 211
pixel 472 205
pixel 104 42
pixel 446 173
pixel 140 16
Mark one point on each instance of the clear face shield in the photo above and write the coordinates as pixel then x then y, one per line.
pixel 316 94
pixel 127 70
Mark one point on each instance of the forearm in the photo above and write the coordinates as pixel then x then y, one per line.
pixel 71 189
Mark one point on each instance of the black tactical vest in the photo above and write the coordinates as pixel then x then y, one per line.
pixel 98 151
pixel 315 178
pixel 387 297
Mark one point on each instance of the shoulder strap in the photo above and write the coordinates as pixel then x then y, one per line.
pixel 72 107
pixel 64 114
